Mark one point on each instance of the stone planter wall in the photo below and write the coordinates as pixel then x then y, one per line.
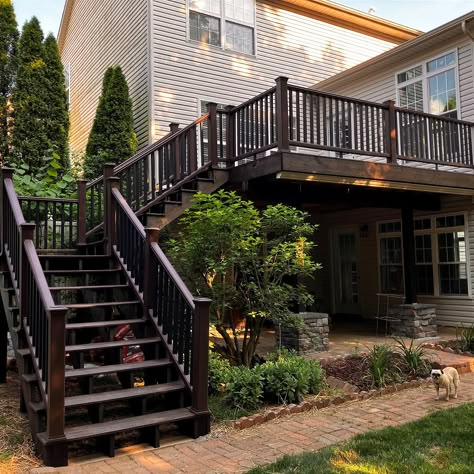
pixel 416 320
pixel 313 338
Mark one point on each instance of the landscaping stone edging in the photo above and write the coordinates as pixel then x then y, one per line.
pixel 306 405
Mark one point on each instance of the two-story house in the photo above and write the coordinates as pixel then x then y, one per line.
pixel 431 75
pixel 178 55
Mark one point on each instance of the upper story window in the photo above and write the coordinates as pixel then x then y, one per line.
pixel 430 86
pixel 225 23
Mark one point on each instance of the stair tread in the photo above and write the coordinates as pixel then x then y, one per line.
pixel 100 305
pixel 85 270
pixel 111 345
pixel 115 395
pixel 70 256
pixel 115 426
pixel 86 287
pixel 111 369
pixel 29 378
pixel 100 324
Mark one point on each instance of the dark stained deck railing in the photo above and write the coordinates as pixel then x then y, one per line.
pixel 183 321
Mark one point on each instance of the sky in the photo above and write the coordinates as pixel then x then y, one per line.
pixel 423 15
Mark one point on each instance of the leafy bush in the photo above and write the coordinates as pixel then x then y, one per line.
pixel 465 336
pixel 316 377
pixel 413 356
pixel 219 369
pixel 379 361
pixel 245 387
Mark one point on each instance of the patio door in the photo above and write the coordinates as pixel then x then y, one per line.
pixel 346 271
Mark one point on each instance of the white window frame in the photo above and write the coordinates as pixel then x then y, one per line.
pixel 433 231
pixel 425 75
pixel 223 19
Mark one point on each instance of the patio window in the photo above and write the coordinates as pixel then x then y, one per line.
pixel 229 24
pixel 430 86
pixel 441 256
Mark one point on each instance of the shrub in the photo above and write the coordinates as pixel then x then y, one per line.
pixel 379 360
pixel 413 357
pixel 244 387
pixel 316 377
pixel 219 369
pixel 465 336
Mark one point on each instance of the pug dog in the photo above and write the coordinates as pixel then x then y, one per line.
pixel 445 379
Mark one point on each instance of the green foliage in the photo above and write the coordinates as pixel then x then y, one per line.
pixel 49 180
pixel 465 336
pixel 219 369
pixel 414 357
pixel 112 138
pixel 8 49
pixel 244 388
pixel 242 260
pixel 30 99
pixel 57 127
pixel 379 364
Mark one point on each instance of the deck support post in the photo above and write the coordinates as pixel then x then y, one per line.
pixel 409 262
pixel 199 364
pixel 282 114
pixel 391 131
pixel 150 277
pixel 212 142
pixel 81 212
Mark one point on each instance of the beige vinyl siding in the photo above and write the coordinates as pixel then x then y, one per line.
pixel 288 44
pixel 99 35
pixel 451 310
pixel 466 81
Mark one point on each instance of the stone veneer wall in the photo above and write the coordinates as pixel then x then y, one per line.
pixel 416 320
pixel 313 338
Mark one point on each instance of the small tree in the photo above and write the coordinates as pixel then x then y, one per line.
pixel 57 127
pixel 112 137
pixel 242 259
pixel 8 45
pixel 31 109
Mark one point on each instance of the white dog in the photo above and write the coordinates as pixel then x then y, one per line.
pixel 445 379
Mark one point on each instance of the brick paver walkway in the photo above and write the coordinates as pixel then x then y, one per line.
pixel 239 451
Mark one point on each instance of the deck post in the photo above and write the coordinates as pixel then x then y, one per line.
pixel 409 262
pixel 111 213
pixel 282 114
pixel 212 134
pixel 27 231
pixel 230 134
pixel 108 173
pixel 391 131
pixel 150 275
pixel 199 364
pixel 3 344
pixel 7 173
pixel 81 212
pixel 174 127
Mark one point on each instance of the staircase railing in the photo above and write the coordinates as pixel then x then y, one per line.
pixel 42 321
pixel 182 320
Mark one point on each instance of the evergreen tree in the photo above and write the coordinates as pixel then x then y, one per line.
pixel 57 127
pixel 8 44
pixel 30 99
pixel 112 138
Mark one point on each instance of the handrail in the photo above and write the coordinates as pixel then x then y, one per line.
pixel 253 99
pixel 433 116
pixel 48 199
pixel 14 202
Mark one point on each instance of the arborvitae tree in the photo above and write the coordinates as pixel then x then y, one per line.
pixel 8 44
pixel 30 99
pixel 57 127
pixel 112 138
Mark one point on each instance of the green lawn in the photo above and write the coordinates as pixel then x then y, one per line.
pixel 442 442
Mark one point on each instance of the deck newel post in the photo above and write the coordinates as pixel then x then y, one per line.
pixel 391 131
pixel 27 231
pixel 111 213
pixel 230 134
pixel 174 127
pixel 282 125
pixel 81 211
pixel 199 364
pixel 7 173
pixel 212 134
pixel 3 344
pixel 409 262
pixel 150 275
pixel 108 173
